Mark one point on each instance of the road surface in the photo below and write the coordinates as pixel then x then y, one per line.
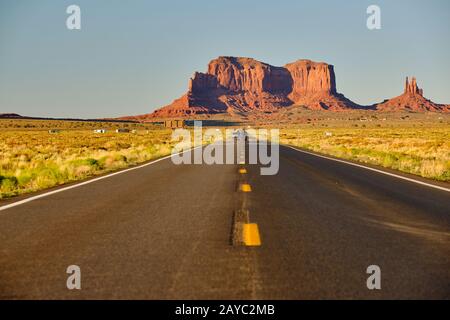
pixel 163 232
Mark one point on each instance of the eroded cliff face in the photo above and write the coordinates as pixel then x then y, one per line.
pixel 314 86
pixel 202 83
pixel 311 78
pixel 249 75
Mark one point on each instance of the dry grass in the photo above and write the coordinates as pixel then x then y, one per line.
pixel 32 160
pixel 421 151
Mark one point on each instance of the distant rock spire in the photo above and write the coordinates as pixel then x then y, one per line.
pixel 412 88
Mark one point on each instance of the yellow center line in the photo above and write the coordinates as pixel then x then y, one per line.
pixel 251 235
pixel 242 171
pixel 245 187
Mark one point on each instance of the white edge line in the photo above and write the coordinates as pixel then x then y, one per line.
pixel 373 169
pixel 18 203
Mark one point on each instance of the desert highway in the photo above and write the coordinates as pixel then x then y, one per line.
pixel 163 232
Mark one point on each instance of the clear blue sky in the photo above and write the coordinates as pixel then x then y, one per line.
pixel 131 57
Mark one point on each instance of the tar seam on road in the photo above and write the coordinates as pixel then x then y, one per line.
pixel 18 203
pixel 373 169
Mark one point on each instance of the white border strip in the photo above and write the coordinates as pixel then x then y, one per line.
pixel 18 203
pixel 373 169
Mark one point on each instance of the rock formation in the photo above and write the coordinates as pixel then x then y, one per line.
pixel 241 85
pixel 412 88
pixel 237 85
pixel 311 78
pixel 412 99
pixel 314 86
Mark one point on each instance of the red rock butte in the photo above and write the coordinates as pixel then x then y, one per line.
pixel 237 85
pixel 412 99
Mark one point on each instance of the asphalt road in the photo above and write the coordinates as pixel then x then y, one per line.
pixel 163 232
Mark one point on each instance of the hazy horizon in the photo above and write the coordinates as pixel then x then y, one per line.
pixel 132 58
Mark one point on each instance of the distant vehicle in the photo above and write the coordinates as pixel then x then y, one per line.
pixel 122 130
pixel 54 131
pixel 100 131
pixel 239 133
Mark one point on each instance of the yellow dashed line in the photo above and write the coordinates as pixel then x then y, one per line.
pixel 251 235
pixel 245 187
pixel 242 171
